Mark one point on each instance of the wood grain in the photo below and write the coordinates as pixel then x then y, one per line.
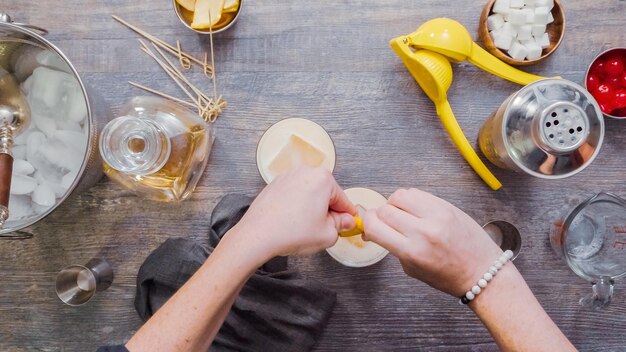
pixel 329 62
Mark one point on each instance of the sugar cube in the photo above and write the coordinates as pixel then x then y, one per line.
pixel 503 41
pixel 538 30
pixel 550 17
pixel 518 17
pixel 543 41
pixel 544 3
pixel 529 3
pixel 534 51
pixel 518 51
pixel 509 29
pixel 501 6
pixel 530 15
pixel 495 22
pixel 516 4
pixel 525 32
pixel 541 15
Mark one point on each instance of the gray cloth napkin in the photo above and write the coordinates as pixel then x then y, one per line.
pixel 277 310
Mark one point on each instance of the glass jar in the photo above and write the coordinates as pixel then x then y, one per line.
pixel 156 148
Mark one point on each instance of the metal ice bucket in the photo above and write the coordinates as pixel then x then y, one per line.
pixel 13 36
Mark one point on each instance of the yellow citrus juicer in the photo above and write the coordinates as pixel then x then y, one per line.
pixel 433 73
pixel 452 40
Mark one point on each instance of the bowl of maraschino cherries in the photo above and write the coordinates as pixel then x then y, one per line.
pixel 606 81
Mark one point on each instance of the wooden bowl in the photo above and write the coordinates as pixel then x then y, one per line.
pixel 186 17
pixel 556 31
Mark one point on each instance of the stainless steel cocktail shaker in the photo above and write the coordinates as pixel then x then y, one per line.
pixel 552 129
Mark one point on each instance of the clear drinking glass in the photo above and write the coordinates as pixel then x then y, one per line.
pixel 591 239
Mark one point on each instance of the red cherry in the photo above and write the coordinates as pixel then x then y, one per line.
pixel 620 98
pixel 615 82
pixel 593 81
pixel 606 108
pixel 614 66
pixel 619 112
pixel 598 68
pixel 604 93
pixel 623 81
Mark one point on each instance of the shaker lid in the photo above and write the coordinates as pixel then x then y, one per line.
pixel 553 128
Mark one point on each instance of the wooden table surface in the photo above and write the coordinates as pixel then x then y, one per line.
pixel 329 62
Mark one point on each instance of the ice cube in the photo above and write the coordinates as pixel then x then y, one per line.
pixel 52 60
pixel 61 156
pixel 49 85
pixel 24 61
pixel 39 177
pixel 21 138
pixel 37 107
pixel 19 152
pixel 68 179
pixel 55 185
pixel 22 167
pixel 20 207
pixel 67 125
pixel 46 125
pixel 76 109
pixel 44 195
pixel 34 141
pixel 72 139
pixel 58 189
pixel 21 184
pixel 26 85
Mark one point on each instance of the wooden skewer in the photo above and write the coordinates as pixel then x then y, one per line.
pixel 208 109
pixel 212 58
pixel 182 77
pixel 166 69
pixel 184 62
pixel 172 50
pixel 156 92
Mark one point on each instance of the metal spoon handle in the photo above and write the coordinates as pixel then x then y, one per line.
pixel 6 171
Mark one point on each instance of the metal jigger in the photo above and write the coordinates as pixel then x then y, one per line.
pixel 77 284
pixel 14 118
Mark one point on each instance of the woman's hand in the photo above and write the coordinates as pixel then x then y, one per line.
pixel 300 212
pixel 435 241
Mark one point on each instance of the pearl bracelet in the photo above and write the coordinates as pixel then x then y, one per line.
pixel 482 283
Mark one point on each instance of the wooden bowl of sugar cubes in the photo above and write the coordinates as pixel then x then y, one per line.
pixel 522 32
